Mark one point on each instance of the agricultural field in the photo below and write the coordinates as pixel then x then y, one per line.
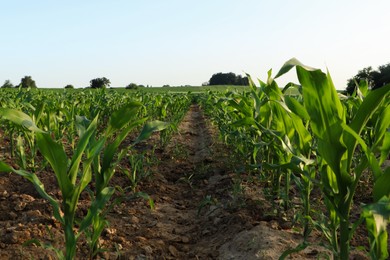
pixel 264 172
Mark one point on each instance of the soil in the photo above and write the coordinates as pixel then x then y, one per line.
pixel 200 212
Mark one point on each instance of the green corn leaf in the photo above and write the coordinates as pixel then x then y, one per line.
pixel 122 117
pixel 82 124
pixel 291 89
pixel 241 106
pixel 385 149
pixel 112 148
pixel 5 167
pixel 80 148
pixel 96 207
pixel 363 87
pixel 252 85
pixel 291 63
pixel 377 216
pixel 326 117
pixel 295 106
pixel 269 78
pixel 151 127
pixel 20 118
pixel 304 136
pixel 369 154
pixel 381 186
pixel 39 112
pixel 95 148
pixel 302 246
pixel 145 196
pixel 85 178
pixel 370 104
pixel 321 100
pixel 330 146
pixel 331 180
pixel 281 118
pixel 54 153
pixel 247 121
pixel 272 90
pixel 256 94
pixel 381 126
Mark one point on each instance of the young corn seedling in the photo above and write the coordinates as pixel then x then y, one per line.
pixel 138 170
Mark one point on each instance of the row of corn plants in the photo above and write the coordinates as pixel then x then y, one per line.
pixel 316 139
pixel 55 111
pixel 79 135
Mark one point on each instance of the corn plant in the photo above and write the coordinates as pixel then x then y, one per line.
pixel 337 143
pixel 138 169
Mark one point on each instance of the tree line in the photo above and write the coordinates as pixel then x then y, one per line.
pixel 375 78
pixel 25 82
pixel 28 82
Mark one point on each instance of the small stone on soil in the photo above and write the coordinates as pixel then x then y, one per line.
pixel 20 205
pixel 134 220
pixel 185 239
pixel 173 251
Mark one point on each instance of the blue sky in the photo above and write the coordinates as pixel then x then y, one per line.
pixel 184 42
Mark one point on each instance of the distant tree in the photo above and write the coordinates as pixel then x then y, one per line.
pixel 227 79
pixel 375 78
pixel 242 81
pixel 141 86
pixel 364 74
pixel 132 86
pixel 166 86
pixel 27 82
pixel 7 84
pixel 100 83
pixel 69 86
pixel 382 76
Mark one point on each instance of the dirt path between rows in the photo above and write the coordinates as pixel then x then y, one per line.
pixel 189 221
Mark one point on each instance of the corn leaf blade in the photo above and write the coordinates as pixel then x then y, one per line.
pixel 55 155
pixel 20 118
pixel 151 127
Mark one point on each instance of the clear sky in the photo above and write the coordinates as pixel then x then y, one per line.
pixel 183 42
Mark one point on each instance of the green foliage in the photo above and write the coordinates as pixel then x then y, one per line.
pixel 96 153
pixel 228 79
pixel 7 84
pixel 314 138
pixel 100 83
pixel 132 86
pixel 19 118
pixel 375 78
pixel 27 82
pixel 69 86
pixel 377 217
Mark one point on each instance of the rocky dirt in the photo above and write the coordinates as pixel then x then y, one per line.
pixel 198 214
